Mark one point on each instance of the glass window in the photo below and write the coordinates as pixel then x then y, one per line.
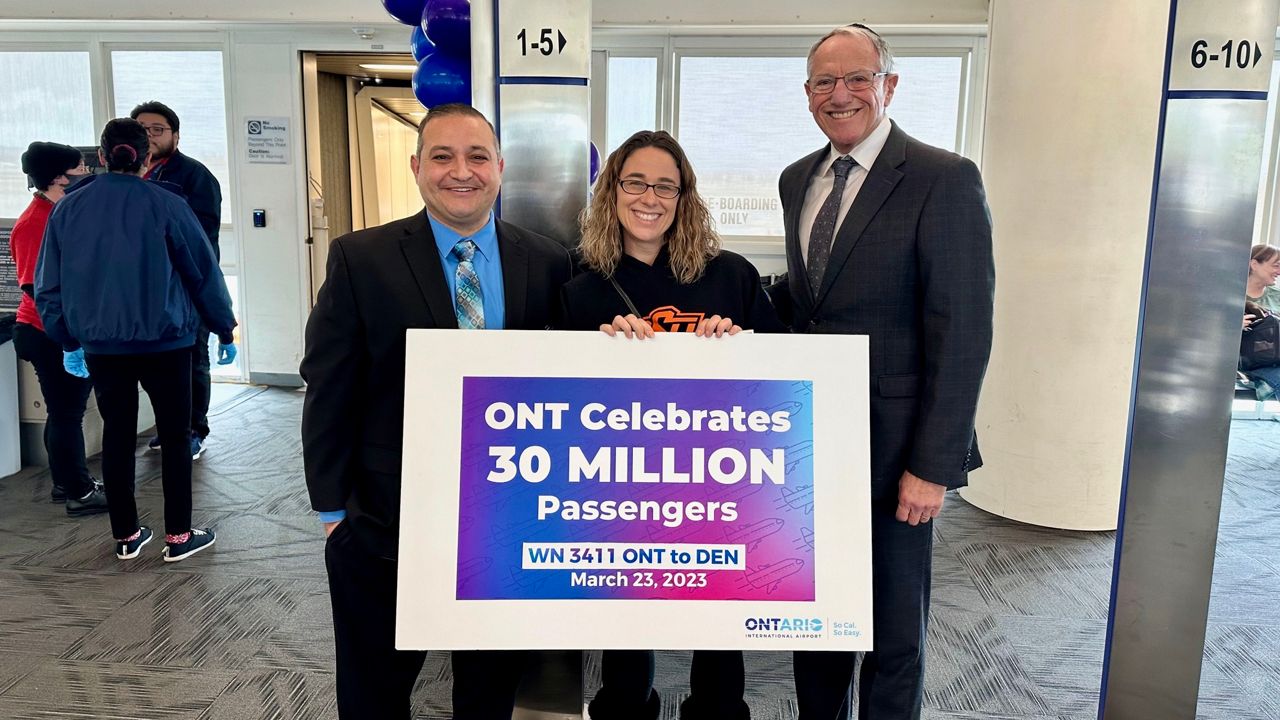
pixel 926 103
pixel 739 148
pixel 191 83
pixel 633 99
pixel 47 96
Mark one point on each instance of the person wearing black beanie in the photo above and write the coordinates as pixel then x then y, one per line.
pixel 51 169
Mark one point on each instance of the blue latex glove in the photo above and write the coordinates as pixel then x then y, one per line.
pixel 73 362
pixel 226 353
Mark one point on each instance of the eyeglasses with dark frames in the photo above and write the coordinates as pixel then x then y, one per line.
pixel 156 130
pixel 638 187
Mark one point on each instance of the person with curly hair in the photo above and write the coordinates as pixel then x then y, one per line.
pixel 653 264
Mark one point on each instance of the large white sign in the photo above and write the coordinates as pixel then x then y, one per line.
pixel 569 490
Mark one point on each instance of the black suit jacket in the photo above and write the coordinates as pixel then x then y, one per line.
pixel 381 282
pixel 911 267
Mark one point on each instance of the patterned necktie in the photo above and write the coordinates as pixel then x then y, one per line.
pixel 824 225
pixel 468 300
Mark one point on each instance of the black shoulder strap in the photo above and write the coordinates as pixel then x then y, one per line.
pixel 625 298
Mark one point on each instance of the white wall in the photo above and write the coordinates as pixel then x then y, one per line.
pixel 275 263
pixel 1069 150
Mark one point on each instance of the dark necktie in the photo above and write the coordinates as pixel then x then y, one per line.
pixel 824 225
pixel 468 298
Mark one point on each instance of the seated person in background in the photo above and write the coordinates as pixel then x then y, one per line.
pixel 1264 269
pixel 1262 298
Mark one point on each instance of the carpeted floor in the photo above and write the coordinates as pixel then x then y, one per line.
pixel 242 631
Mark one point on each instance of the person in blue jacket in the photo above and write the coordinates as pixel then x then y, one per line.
pixel 124 280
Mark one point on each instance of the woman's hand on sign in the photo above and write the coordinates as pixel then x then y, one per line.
pixel 717 326
pixel 629 325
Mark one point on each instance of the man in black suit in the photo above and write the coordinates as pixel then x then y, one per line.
pixel 890 238
pixel 451 266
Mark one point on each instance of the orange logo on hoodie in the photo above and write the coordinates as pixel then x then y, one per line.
pixel 669 318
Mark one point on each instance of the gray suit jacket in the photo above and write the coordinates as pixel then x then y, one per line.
pixel 911 267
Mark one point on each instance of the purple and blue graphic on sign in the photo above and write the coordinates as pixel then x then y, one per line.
pixel 626 488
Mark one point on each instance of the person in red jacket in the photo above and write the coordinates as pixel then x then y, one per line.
pixel 52 169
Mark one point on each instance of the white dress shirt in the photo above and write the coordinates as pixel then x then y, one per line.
pixel 865 154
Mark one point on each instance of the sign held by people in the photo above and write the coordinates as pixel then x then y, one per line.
pixel 574 490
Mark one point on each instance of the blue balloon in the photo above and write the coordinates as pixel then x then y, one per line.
pixel 408 12
pixel 442 79
pixel 595 164
pixel 448 24
pixel 419 44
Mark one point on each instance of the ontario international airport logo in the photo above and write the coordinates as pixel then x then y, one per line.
pixel 785 627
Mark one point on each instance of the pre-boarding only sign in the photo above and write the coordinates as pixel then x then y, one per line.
pixel 571 490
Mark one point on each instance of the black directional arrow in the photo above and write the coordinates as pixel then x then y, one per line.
pixel 1257 54
pixel 563 41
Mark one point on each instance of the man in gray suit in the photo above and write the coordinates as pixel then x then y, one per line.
pixel 890 238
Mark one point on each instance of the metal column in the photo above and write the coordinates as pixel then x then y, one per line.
pixel 1208 157
pixel 530 70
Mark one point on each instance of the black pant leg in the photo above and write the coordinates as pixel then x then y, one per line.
pixel 166 378
pixel 891 679
pixel 717 682
pixel 626 690
pixel 485 683
pixel 200 384
pixel 374 679
pixel 65 398
pixel 115 382
pixel 824 684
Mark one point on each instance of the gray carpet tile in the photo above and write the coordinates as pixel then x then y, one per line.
pixel 274 695
pixel 1060 656
pixel 1222 699
pixel 1246 591
pixel 1063 580
pixel 243 630
pixel 14 666
pixel 1246 657
pixel 973 666
pixel 70 689
pixel 49 611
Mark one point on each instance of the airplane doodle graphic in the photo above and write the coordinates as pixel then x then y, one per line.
pixel 769 577
pixel 805 541
pixel 801 498
pixel 752 534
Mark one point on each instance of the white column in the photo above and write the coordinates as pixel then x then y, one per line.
pixel 1069 151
